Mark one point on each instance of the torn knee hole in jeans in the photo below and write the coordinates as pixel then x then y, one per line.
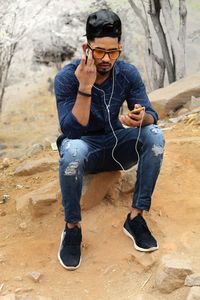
pixel 71 168
pixel 157 150
pixel 154 129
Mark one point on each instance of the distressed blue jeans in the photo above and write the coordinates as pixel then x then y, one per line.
pixel 93 154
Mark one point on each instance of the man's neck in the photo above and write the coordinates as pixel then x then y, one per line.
pixel 101 78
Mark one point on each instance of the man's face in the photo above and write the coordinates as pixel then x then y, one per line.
pixel 105 64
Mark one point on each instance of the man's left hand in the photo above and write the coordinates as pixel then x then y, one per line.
pixel 133 119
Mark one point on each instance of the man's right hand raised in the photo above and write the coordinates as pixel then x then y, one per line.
pixel 86 72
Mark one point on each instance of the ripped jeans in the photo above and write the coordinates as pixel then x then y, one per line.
pixel 93 154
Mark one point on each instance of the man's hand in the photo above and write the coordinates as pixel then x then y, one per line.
pixel 86 72
pixel 133 119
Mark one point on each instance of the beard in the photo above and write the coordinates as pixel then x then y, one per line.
pixel 104 69
pixel 103 72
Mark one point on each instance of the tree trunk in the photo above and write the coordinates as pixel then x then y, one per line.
pixel 177 49
pixel 154 12
pixel 182 26
pixel 149 47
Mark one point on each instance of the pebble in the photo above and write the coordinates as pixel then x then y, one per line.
pixel 2 213
pixel 23 226
pixel 6 162
pixel 4 199
pixel 19 186
pixel 35 276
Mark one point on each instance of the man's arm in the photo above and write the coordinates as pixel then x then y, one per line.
pixel 66 83
pixel 137 97
pixel 86 75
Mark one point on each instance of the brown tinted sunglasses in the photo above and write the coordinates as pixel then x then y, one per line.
pixel 100 53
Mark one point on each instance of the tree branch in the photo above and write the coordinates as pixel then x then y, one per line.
pixel 182 26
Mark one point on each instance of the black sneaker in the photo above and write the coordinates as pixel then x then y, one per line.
pixel 138 231
pixel 69 253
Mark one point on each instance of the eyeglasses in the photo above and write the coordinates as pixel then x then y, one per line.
pixel 99 53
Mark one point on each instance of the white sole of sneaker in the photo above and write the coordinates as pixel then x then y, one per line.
pixel 135 245
pixel 60 260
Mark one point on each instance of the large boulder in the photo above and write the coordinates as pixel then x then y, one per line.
pixel 176 95
pixel 172 272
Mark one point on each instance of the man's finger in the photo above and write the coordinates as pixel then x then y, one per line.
pixel 90 58
pixel 83 59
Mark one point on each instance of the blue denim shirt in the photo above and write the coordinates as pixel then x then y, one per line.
pixel 128 86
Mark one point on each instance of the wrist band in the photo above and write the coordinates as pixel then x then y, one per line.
pixel 84 94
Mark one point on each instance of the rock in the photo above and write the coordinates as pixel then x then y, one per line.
pixel 47 143
pixel 36 148
pixel 35 276
pixel 194 293
pixel 2 213
pixel 37 166
pixel 145 260
pixel 193 280
pixel 38 203
pixel 23 202
pixel 195 102
pixel 175 95
pixel 172 272
pixel 182 111
pixel 96 187
pixel 19 186
pixel 4 199
pixel 6 162
pixel 23 226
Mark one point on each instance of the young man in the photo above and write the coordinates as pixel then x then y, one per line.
pixel 89 94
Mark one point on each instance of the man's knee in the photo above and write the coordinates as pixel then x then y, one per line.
pixel 73 154
pixel 152 136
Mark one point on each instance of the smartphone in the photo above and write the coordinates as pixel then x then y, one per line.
pixel 136 110
pixel 86 53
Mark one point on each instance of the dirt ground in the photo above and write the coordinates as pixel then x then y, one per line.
pixel 111 268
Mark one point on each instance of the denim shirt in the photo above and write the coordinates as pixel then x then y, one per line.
pixel 124 84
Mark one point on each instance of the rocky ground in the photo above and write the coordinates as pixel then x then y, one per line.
pixel 111 268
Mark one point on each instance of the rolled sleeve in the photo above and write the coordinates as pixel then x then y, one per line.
pixel 137 93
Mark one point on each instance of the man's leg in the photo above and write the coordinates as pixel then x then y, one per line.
pixel 150 148
pixel 76 158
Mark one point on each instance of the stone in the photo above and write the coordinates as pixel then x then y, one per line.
pixel 182 111
pixel 35 149
pixel 194 293
pixel 195 102
pixel 6 162
pixel 172 272
pixel 96 187
pixel 175 95
pixel 4 198
pixel 23 201
pixel 23 226
pixel 39 203
pixel 145 260
pixel 37 166
pixel 35 276
pixel 193 280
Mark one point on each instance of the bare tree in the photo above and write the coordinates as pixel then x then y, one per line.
pixel 172 44
pixel 12 30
